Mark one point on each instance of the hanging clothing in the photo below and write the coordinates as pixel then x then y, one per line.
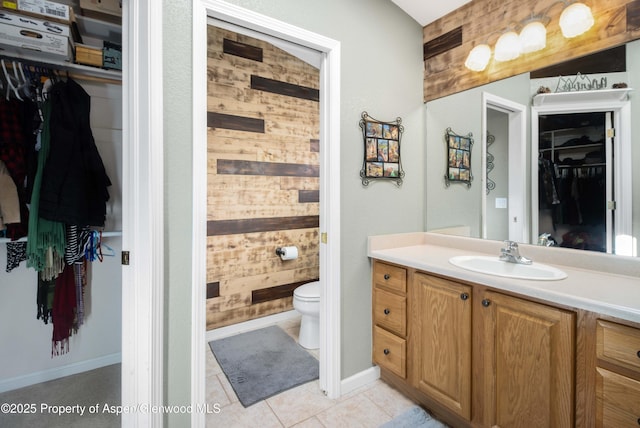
pixel 16 253
pixel 9 202
pixel 16 133
pixel 74 185
pixel 46 239
pixel 63 311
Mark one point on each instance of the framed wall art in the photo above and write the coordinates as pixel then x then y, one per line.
pixel 381 150
pixel 458 158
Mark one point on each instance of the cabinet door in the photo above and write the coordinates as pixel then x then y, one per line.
pixel 530 347
pixel 443 342
pixel 618 400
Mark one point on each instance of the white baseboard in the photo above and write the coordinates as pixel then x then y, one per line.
pixel 360 379
pixel 230 330
pixel 58 372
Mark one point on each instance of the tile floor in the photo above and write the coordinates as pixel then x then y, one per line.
pixel 303 406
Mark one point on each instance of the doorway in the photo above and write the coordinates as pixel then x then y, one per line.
pixel 329 185
pixel 507 217
pixel 575 180
pixel 613 109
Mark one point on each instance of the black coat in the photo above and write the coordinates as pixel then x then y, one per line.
pixel 74 181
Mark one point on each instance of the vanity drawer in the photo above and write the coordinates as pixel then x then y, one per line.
pixel 390 351
pixel 390 312
pixel 390 277
pixel 618 344
pixel 617 400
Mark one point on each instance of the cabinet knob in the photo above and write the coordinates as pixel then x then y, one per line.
pixel 638 354
pixel 464 296
pixel 387 311
pixel 387 276
pixel 486 303
pixel 386 351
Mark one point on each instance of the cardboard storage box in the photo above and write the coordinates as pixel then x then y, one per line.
pixel 88 55
pixel 22 40
pixel 32 23
pixel 41 8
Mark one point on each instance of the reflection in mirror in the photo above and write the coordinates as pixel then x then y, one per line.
pixel 583 193
pixel 457 208
pixel 503 213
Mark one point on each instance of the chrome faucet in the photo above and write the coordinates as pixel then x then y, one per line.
pixel 511 254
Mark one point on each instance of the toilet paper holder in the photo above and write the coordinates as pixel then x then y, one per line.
pixel 287 253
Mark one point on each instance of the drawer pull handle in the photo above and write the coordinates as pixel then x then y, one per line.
pixel 638 354
pixel 486 303
pixel 464 296
pixel 387 311
pixel 387 276
pixel 386 351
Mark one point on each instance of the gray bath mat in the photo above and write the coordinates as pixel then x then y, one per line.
pixel 263 363
pixel 415 417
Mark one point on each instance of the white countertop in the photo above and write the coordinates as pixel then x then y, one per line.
pixel 613 289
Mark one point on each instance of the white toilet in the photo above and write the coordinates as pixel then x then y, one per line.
pixel 306 300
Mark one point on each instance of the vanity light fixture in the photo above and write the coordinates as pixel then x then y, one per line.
pixel 507 47
pixel 478 58
pixel 533 37
pixel 575 19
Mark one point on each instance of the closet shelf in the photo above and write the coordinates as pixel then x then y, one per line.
pixel 583 165
pixel 574 147
pixel 78 70
pixel 104 235
pixel 561 98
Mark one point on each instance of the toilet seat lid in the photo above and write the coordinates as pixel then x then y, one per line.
pixel 310 290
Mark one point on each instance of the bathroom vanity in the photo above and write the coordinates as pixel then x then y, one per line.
pixel 483 350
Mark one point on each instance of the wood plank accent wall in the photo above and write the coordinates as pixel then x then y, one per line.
pixel 617 22
pixel 263 177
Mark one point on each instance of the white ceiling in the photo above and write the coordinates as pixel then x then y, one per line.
pixel 427 11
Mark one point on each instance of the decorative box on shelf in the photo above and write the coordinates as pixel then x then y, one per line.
pixel 89 55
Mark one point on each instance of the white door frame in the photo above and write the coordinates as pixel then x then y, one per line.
pixel 622 170
pixel 329 186
pixel 142 216
pixel 517 196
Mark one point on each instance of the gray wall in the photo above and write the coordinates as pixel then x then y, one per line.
pixel 177 91
pixel 381 72
pixel 458 205
pixel 497 218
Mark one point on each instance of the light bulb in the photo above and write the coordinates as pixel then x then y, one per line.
pixel 533 37
pixel 575 20
pixel 507 47
pixel 478 58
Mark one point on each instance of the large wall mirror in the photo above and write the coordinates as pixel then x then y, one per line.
pixel 488 213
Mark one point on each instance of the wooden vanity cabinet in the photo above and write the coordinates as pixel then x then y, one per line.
pixel 477 357
pixel 617 375
pixel 442 349
pixel 390 318
pixel 528 352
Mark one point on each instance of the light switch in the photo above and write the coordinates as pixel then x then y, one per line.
pixel 501 202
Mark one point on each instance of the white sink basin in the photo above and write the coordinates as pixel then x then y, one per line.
pixel 495 266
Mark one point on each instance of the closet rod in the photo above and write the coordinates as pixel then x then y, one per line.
pixel 76 71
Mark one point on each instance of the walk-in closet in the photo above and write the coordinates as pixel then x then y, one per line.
pixel 575 179
pixel 89 229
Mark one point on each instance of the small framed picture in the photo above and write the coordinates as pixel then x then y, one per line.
pixel 381 150
pixel 458 157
